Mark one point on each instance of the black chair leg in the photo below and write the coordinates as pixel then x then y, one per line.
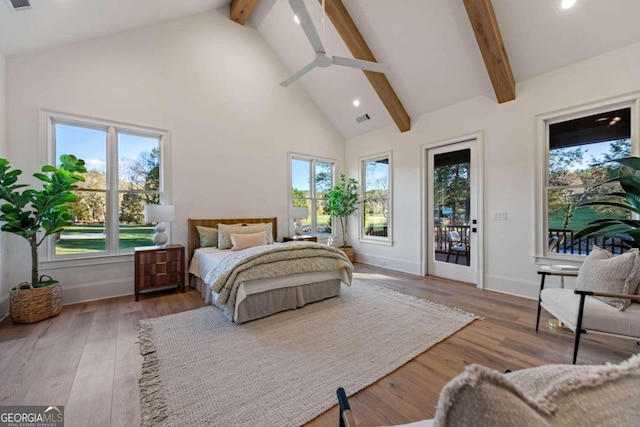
pixel 578 328
pixel 343 403
pixel 540 300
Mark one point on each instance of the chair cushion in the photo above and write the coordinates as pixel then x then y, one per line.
pixel 552 395
pixel 604 272
pixel 597 316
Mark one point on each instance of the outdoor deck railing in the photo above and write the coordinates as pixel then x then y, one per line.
pixel 569 244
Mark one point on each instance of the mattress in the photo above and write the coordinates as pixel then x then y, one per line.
pixel 205 259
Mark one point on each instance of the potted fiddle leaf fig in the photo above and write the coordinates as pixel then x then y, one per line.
pixel 35 215
pixel 341 202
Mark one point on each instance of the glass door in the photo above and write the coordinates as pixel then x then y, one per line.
pixel 452 225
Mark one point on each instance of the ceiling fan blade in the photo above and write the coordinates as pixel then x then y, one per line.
pixel 307 24
pixel 363 65
pixel 304 70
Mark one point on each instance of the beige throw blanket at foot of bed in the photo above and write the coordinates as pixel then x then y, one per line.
pixel 271 261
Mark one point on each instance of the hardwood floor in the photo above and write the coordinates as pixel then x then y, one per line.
pixel 87 358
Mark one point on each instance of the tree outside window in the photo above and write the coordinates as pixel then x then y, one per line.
pixel 311 179
pixel 578 156
pixel 124 175
pixel 376 192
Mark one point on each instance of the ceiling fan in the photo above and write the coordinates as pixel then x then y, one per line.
pixel 323 60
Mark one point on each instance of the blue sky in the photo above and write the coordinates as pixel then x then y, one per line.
pixel 90 145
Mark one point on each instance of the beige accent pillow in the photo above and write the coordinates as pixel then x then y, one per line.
pixel 604 272
pixel 208 236
pixel 551 395
pixel 225 231
pixel 244 241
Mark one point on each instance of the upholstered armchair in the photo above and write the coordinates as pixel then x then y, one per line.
pixel 606 300
pixel 549 395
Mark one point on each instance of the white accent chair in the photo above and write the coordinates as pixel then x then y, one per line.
pixel 582 313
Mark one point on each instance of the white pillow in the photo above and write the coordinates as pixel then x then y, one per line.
pixel 244 241
pixel 604 272
pixel 225 231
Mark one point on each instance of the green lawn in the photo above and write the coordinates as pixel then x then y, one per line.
pixel 90 238
pixel 578 221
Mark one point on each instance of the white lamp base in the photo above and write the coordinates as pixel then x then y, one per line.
pixel 298 229
pixel 160 238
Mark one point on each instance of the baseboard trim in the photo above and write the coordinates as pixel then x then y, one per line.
pixel 4 307
pixel 511 286
pixel 84 292
pixel 388 263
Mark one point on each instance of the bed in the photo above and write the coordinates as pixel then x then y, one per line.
pixel 274 279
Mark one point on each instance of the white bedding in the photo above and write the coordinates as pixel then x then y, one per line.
pixel 205 260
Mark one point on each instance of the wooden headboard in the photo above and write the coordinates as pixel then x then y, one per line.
pixel 194 237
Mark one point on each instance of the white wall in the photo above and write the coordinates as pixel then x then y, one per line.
pixel 509 168
pixel 4 284
pixel 209 81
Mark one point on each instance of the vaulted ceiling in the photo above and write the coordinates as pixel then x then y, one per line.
pixel 440 51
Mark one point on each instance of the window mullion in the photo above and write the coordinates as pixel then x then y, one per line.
pixel 113 195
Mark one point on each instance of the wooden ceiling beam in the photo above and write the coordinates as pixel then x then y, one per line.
pixel 485 26
pixel 240 10
pixel 360 50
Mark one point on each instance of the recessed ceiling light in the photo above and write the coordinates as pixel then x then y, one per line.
pixel 566 4
pixel 356 102
pixel 296 19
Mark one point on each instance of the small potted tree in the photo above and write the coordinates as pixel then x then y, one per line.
pixel 35 215
pixel 341 202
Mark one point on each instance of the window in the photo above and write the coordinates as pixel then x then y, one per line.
pixel 125 172
pixel 578 149
pixel 311 179
pixel 375 179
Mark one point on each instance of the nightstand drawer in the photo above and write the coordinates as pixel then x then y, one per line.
pixel 159 267
pixel 159 279
pixel 158 257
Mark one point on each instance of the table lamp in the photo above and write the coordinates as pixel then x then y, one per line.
pixel 159 214
pixel 298 213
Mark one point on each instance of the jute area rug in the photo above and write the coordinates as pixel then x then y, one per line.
pixel 200 369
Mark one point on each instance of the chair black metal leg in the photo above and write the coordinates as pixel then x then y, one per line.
pixel 540 300
pixel 578 328
pixel 343 403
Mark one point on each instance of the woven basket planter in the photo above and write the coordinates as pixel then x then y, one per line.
pixel 34 304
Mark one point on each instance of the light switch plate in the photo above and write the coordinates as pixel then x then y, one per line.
pixel 499 215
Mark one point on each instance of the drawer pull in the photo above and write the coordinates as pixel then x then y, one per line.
pixel 161 274
pixel 161 263
pixel 161 252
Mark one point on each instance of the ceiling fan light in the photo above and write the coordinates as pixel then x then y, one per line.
pixel 356 102
pixel 567 4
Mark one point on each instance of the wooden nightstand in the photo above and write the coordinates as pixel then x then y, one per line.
pixel 300 239
pixel 157 267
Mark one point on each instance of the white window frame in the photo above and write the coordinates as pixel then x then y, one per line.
pixel 112 253
pixel 312 196
pixel 543 121
pixel 362 236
